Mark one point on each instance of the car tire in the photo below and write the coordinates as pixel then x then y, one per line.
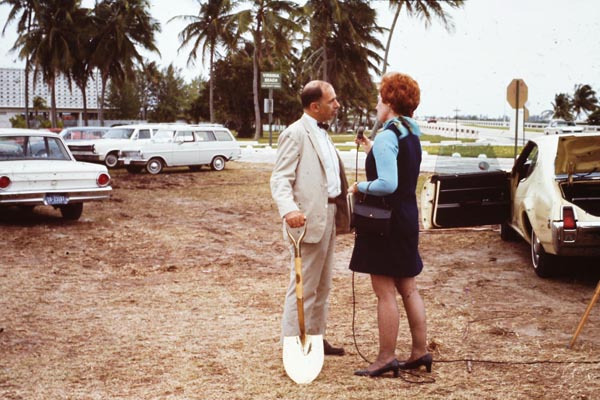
pixel 544 264
pixel 71 211
pixel 507 233
pixel 111 160
pixel 133 169
pixel 154 166
pixel 217 163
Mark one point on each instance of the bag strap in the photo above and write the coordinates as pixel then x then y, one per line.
pixel 405 124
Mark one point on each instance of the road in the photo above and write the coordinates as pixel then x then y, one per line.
pixel 430 163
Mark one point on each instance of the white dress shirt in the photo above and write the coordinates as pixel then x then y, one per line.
pixel 332 167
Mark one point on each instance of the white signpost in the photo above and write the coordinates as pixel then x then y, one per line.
pixel 270 80
pixel 516 95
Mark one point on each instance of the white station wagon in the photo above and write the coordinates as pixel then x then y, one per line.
pixel 37 169
pixel 182 145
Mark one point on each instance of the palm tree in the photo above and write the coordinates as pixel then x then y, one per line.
pixel 324 14
pixel 265 20
pixel 49 43
pixel 584 99
pixel 120 26
pixel 27 18
pixel 424 9
pixel 344 50
pixel 81 67
pixel 209 28
pixel 562 107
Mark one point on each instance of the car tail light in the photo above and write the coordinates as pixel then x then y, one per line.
pixel 103 180
pixel 569 218
pixel 4 182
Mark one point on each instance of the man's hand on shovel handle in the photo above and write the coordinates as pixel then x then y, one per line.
pixel 295 219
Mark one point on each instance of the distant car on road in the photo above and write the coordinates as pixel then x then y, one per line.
pixel 37 169
pixel 560 126
pixel 432 121
pixel 182 145
pixel 551 199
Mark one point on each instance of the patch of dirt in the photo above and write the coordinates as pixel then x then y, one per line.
pixel 173 289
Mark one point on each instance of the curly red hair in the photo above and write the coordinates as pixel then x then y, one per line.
pixel 401 92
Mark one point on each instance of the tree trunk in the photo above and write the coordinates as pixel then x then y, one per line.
pixel 85 113
pixel 27 67
pixel 377 124
pixel 257 119
pixel 53 102
pixel 102 93
pixel 211 86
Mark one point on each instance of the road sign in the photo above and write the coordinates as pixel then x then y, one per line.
pixel 516 93
pixel 270 80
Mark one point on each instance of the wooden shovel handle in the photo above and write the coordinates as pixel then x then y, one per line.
pixel 300 297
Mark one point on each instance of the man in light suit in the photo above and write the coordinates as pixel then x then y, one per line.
pixel 309 185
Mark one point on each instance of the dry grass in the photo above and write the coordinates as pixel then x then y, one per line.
pixel 174 288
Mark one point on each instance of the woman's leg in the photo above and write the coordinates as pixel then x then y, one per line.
pixel 387 319
pixel 415 313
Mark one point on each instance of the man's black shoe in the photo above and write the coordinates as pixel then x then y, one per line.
pixel 332 351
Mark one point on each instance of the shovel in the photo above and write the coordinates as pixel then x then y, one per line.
pixel 303 355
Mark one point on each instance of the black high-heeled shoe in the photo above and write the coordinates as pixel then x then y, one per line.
pixel 391 366
pixel 426 360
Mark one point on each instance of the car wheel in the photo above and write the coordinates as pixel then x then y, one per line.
pixel 111 160
pixel 543 263
pixel 133 169
pixel 72 211
pixel 154 166
pixel 507 233
pixel 217 164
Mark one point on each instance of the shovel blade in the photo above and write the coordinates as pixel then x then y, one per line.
pixel 303 363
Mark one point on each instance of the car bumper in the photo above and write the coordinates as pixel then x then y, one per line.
pixel 88 157
pixel 133 161
pixel 46 198
pixel 582 241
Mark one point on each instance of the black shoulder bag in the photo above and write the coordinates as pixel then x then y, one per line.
pixel 371 214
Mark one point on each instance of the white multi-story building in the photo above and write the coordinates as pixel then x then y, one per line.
pixel 69 100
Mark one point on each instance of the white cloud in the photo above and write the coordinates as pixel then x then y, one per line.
pixel 551 44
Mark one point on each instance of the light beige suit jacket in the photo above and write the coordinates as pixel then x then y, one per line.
pixel 299 182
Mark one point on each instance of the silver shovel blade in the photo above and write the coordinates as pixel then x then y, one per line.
pixel 303 363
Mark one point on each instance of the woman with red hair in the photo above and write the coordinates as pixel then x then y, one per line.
pixel 393 261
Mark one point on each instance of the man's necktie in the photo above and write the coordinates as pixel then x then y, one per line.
pixel 323 126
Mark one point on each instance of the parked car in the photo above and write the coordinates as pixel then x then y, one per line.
pixel 106 150
pixel 83 132
pixel 551 199
pixel 432 121
pixel 182 145
pixel 560 126
pixel 37 169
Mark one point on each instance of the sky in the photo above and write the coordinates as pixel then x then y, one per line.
pixel 551 44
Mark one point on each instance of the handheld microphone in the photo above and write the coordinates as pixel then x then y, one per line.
pixel 360 133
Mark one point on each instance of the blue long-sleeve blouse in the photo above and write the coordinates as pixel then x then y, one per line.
pixel 385 151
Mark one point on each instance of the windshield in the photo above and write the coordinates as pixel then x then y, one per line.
pixel 119 133
pixel 32 148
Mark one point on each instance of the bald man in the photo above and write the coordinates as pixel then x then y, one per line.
pixel 309 185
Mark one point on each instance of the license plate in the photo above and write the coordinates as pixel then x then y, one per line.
pixel 56 199
pixel 127 161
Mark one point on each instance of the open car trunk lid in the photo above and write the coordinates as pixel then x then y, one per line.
pixel 577 155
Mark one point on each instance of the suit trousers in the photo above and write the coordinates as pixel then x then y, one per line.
pixel 317 265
